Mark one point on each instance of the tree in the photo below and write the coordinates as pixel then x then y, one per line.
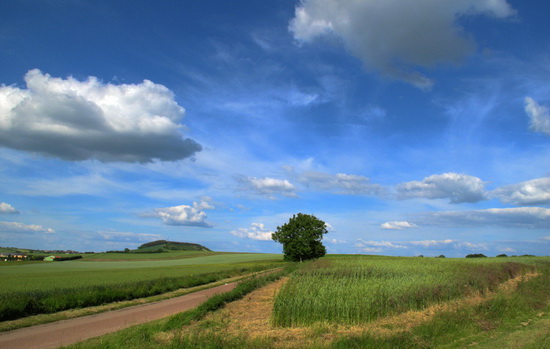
pixel 476 255
pixel 301 237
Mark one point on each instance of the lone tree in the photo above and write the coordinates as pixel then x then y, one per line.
pixel 301 237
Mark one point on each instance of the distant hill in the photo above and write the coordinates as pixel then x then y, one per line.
pixel 172 245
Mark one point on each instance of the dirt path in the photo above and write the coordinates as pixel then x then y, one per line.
pixel 71 331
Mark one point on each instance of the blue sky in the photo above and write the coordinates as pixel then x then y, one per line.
pixel 408 127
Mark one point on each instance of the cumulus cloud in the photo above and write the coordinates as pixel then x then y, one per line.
pixel 456 187
pixel 525 217
pixel 257 231
pixel 339 183
pixel 397 225
pixel 81 120
pixel 267 186
pixel 16 227
pixel 185 215
pixel 7 208
pixel 539 116
pixel 533 192
pixel 394 36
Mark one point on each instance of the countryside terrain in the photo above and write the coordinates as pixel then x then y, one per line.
pixel 337 301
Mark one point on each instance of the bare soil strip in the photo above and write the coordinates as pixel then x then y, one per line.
pixel 71 331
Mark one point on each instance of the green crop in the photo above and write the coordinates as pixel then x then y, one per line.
pixel 361 289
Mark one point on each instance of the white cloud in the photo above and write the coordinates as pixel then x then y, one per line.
pixel 525 217
pixel 397 225
pixel 184 214
pixel 80 120
pixel 431 243
pixel 507 249
pixel 372 249
pixel 539 116
pixel 257 231
pixel 267 186
pixel 533 192
pixel 16 227
pixel 457 187
pixel 7 208
pixel 339 183
pixel 363 243
pixel 335 241
pixel 394 36
pixel 472 246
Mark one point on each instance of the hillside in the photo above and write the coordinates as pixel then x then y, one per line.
pixel 172 246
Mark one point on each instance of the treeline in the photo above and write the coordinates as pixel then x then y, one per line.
pixel 68 258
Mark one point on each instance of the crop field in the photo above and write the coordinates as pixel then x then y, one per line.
pixel 46 287
pixel 361 289
pixel 372 302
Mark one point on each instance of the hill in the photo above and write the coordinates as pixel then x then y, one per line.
pixel 172 246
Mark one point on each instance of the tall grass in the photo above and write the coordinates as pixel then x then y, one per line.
pixel 361 289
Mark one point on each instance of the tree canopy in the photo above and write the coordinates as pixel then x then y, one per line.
pixel 301 237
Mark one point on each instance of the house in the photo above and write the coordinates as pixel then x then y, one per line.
pixel 14 257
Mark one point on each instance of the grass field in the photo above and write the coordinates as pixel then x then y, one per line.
pixel 34 288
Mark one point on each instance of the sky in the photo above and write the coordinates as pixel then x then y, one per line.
pixel 409 127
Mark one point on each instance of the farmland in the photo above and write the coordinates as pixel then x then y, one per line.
pixel 35 288
pixel 372 302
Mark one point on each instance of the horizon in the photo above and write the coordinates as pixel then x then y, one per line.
pixel 408 129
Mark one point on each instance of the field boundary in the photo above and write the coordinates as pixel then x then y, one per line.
pixel 41 319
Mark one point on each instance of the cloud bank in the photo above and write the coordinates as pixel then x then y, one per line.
pixel 81 120
pixel 394 36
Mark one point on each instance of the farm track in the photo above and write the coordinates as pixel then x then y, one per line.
pixel 71 331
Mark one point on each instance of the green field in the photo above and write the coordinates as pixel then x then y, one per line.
pixel 45 287
pixel 354 290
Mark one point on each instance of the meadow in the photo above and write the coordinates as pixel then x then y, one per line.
pixel 47 287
